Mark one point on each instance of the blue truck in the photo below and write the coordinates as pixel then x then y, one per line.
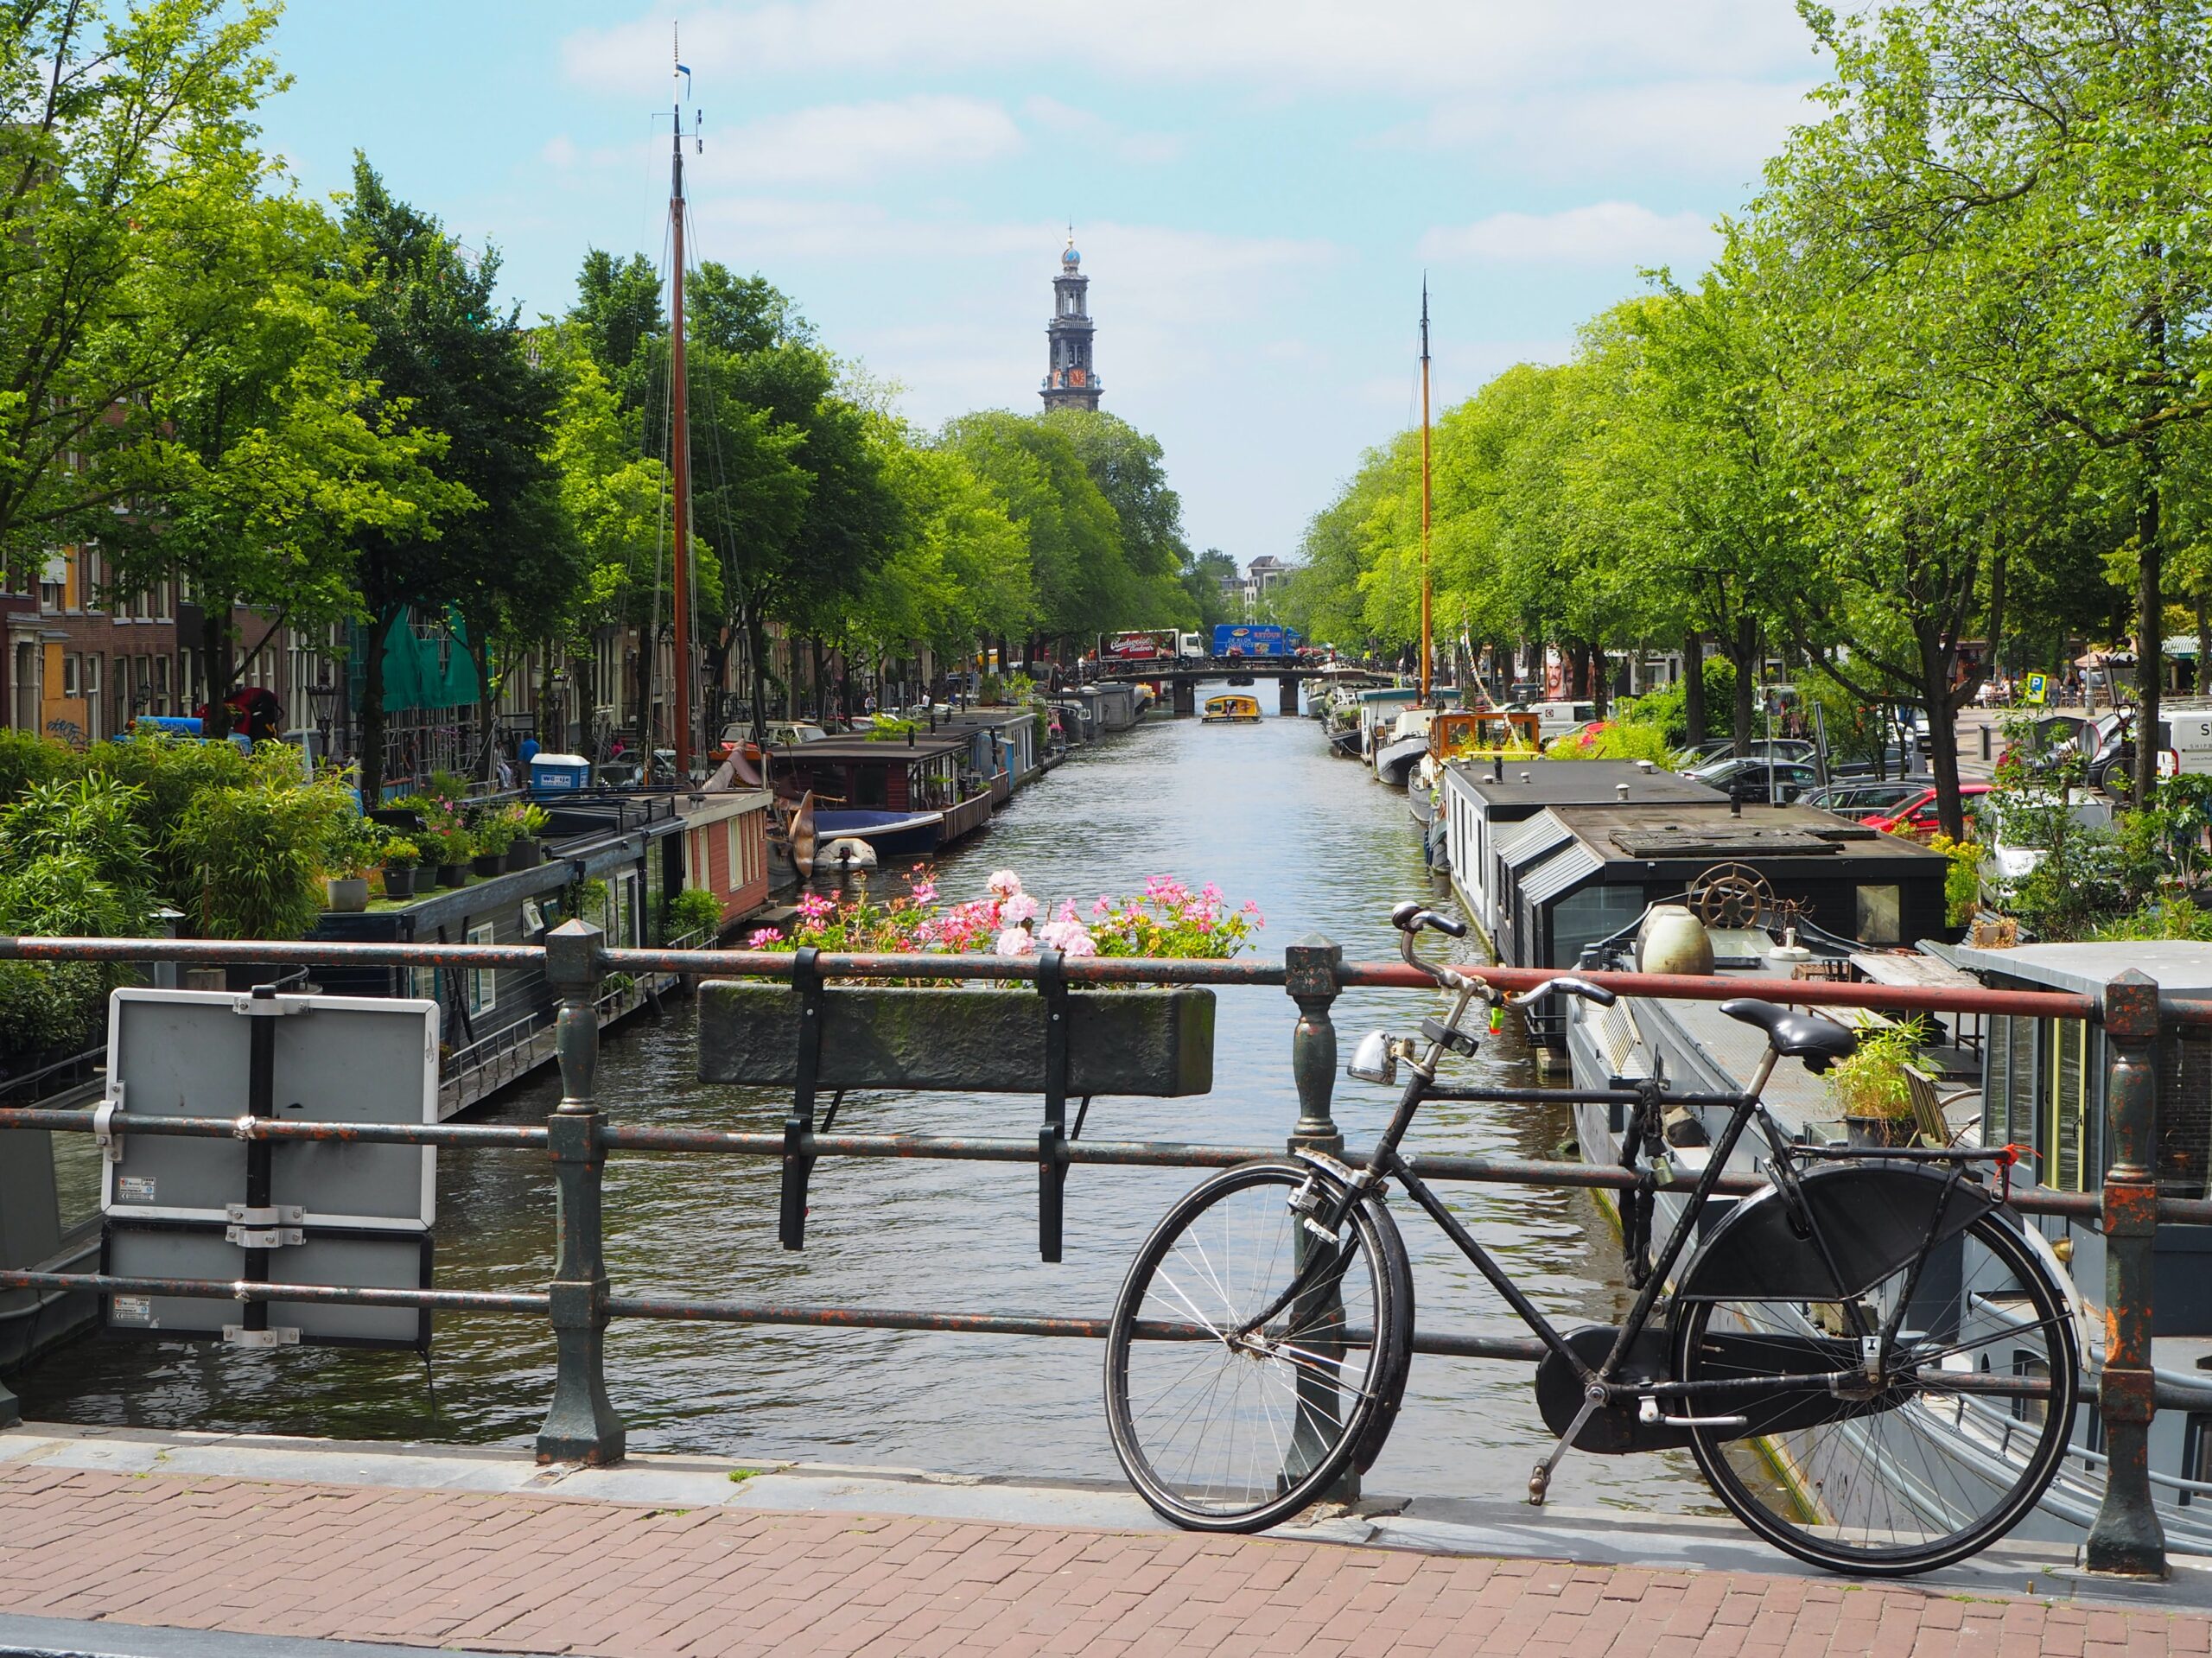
pixel 1254 639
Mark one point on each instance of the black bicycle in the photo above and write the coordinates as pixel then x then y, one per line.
pixel 1874 1365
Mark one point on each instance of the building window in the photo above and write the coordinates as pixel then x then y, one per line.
pixel 483 983
pixel 72 675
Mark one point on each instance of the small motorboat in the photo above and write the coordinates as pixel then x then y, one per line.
pixel 891 834
pixel 1231 710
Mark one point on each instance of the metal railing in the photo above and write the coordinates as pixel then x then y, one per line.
pixel 581 1424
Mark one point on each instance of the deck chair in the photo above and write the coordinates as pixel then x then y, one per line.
pixel 1933 1128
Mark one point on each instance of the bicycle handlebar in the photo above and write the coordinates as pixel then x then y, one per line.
pixel 1568 987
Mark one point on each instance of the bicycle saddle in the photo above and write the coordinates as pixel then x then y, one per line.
pixel 1818 1042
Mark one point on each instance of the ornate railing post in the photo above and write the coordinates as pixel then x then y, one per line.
pixel 2127 1537
pixel 580 1425
pixel 1310 977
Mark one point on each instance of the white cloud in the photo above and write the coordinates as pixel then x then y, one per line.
pixel 1606 233
pixel 1097 133
pixel 846 143
pixel 1703 125
pixel 1387 46
pixel 560 152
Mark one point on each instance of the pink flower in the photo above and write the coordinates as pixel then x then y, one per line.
pixel 1019 908
pixel 1066 912
pixel 925 892
pixel 1014 941
pixel 1104 906
pixel 1004 883
pixel 1070 936
pixel 813 907
pixel 766 938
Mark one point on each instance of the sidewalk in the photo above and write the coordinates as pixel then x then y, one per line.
pixel 486 1553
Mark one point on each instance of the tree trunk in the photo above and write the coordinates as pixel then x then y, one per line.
pixel 2203 655
pixel 215 652
pixel 1941 701
pixel 372 713
pixel 1693 687
pixel 2150 645
pixel 1600 687
pixel 1745 657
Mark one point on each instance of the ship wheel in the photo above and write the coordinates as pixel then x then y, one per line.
pixel 1731 895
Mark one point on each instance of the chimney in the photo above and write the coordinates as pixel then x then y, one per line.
pixel 1620 789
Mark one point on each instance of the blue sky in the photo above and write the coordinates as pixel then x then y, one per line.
pixel 1257 186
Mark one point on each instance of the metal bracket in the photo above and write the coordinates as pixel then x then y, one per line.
pixel 271 1226
pixel 277 1335
pixel 272 1007
pixel 105 1135
pixel 806 980
pixel 1053 1139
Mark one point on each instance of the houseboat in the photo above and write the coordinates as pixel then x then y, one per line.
pixel 1005 747
pixel 1377 712
pixel 1484 806
pixel 1463 734
pixel 613 860
pixel 905 798
pixel 1233 709
pixel 726 849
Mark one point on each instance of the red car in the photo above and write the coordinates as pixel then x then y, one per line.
pixel 1915 816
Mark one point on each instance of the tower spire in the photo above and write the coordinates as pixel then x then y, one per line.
pixel 1070 382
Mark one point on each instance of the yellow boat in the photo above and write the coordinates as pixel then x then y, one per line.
pixel 1231 710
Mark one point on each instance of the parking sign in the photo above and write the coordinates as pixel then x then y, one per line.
pixel 2037 688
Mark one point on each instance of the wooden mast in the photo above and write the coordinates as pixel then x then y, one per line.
pixel 679 447
pixel 1427 649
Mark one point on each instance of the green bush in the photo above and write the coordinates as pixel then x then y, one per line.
pixel 1669 708
pixel 1616 742
pixel 2160 918
pixel 60 894
pixel 694 911
pixel 255 860
pixel 27 758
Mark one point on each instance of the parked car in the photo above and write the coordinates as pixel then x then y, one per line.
pixel 1755 782
pixel 2018 828
pixel 1863 800
pixel 1721 748
pixel 1915 817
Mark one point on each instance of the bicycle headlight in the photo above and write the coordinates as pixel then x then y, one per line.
pixel 1373 1060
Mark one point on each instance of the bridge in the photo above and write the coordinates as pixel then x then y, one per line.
pixel 1184 676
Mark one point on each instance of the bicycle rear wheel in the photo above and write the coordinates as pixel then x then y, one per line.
pixel 1939 1462
pixel 1223 1430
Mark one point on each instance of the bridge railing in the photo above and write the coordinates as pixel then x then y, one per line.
pixel 581 1424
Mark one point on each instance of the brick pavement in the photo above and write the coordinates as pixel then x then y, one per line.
pixel 521 1573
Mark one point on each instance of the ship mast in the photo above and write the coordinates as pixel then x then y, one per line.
pixel 679 442
pixel 1427 649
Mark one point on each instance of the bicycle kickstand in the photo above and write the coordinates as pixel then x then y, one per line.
pixel 1540 1477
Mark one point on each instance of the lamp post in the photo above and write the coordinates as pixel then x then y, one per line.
pixel 323 698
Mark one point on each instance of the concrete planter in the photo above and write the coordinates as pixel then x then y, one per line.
pixel 348 895
pixel 1145 1042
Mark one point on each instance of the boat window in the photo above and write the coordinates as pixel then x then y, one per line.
pixel 1881 916
pixel 2067 1134
pixel 868 788
pixel 2185 1114
pixel 1595 912
pixel 2197 1452
pixel 2031 1368
pixel 482 984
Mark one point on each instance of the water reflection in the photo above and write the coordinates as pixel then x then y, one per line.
pixel 1260 809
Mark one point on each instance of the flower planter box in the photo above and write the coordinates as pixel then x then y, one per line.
pixel 524 855
pixel 488 863
pixel 1144 1042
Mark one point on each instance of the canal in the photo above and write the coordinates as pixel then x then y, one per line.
pixel 1261 810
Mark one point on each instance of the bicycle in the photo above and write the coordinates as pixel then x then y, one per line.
pixel 1872 1362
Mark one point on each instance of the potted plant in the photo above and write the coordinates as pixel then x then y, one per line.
pixel 1871 1087
pixel 447 843
pixel 352 847
pixel 494 834
pixel 529 849
pixel 400 858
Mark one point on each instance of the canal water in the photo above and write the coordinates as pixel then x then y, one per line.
pixel 1261 810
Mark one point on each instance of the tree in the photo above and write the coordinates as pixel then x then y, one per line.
pixel 125 155
pixel 1075 563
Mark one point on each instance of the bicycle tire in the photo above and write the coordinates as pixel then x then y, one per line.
pixel 1921 1476
pixel 1227 1437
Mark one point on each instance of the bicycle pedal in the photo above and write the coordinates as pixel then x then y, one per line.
pixel 1540 1483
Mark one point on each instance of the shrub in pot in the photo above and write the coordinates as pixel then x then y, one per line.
pixel 400 858
pixel 529 849
pixel 494 834
pixel 448 847
pixel 352 845
pixel 1871 1088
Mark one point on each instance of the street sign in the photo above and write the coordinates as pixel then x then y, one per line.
pixel 330 1213
pixel 2035 689
pixel 187 1053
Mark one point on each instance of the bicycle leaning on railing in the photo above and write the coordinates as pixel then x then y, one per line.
pixel 1873 1362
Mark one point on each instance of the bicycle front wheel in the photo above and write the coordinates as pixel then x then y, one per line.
pixel 1943 1458
pixel 1248 1358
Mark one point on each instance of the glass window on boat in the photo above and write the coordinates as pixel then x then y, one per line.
pixel 2185 1114
pixel 2197 1452
pixel 2029 1368
pixel 483 986
pixel 1595 912
pixel 1881 915
pixel 2073 1090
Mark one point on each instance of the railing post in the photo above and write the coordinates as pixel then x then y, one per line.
pixel 1310 977
pixel 581 1424
pixel 2127 1537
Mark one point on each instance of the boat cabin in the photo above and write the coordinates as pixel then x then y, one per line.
pixel 1004 746
pixel 1484 803
pixel 1572 875
pixel 919 772
pixel 1458 734
pixel 726 849
pixel 1234 709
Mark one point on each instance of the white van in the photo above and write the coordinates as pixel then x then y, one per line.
pixel 1557 719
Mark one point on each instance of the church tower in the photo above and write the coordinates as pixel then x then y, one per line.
pixel 1070 380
